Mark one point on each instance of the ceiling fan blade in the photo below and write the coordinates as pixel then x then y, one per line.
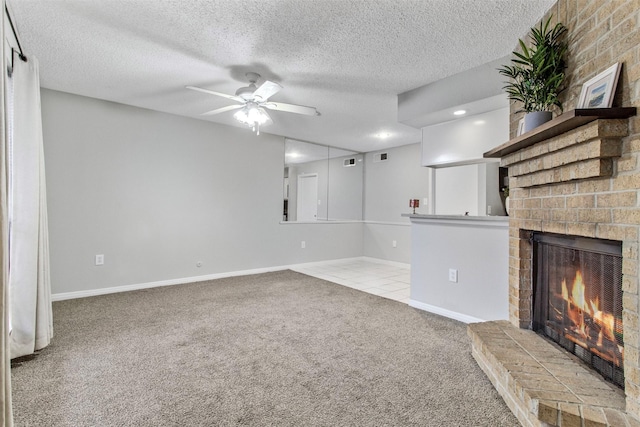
pixel 269 119
pixel 222 110
pixel 211 92
pixel 290 108
pixel 266 90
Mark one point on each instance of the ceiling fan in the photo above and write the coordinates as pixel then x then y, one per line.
pixel 253 101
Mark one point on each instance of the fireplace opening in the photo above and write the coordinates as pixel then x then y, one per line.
pixel 577 299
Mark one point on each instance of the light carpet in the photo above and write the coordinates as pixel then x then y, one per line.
pixel 275 349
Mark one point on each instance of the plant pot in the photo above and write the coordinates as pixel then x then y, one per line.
pixel 534 119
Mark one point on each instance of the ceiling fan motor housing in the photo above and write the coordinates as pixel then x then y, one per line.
pixel 246 93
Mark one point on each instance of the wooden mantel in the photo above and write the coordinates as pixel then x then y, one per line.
pixel 561 124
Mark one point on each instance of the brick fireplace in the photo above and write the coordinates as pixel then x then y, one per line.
pixel 573 178
pixel 566 185
pixel 568 179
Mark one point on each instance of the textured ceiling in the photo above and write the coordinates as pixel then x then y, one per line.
pixel 348 58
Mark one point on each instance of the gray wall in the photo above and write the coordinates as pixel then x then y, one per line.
pixel 388 187
pixel 340 189
pixel 478 250
pixel 346 188
pixel 157 193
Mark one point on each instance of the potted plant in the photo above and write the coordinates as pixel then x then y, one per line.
pixel 537 73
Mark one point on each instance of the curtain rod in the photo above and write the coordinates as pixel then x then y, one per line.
pixel 15 34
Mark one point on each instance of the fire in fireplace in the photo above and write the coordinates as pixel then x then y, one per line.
pixel 578 299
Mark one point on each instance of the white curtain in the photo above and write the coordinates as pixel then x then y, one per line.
pixel 6 418
pixel 31 325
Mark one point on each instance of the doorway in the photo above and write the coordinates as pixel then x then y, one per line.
pixel 307 204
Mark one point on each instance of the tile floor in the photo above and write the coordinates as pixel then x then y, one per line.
pixel 388 281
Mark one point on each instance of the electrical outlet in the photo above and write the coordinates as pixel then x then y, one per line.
pixel 100 259
pixel 453 275
pixel 489 210
pixel 303 244
pixel 425 202
pixel 394 244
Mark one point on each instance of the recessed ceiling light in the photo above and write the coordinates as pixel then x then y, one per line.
pixel 383 135
pixel 460 112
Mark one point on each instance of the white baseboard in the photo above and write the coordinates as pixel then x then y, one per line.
pixel 400 224
pixel 444 312
pixel 320 263
pixel 181 281
pixel 387 262
pixel 359 258
pixel 170 282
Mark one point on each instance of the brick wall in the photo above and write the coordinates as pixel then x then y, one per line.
pixel 566 185
pixel 585 182
pixel 600 33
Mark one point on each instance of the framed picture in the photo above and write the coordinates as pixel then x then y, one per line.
pixel 520 130
pixel 598 92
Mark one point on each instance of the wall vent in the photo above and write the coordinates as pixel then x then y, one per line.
pixel 349 162
pixel 380 157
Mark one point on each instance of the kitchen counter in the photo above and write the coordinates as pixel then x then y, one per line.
pixel 464 219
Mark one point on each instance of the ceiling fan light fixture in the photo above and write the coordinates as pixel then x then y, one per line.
pixel 253 116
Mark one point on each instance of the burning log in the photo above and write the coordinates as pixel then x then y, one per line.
pixel 585 324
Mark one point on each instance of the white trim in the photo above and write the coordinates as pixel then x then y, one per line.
pixel 170 282
pixel 181 281
pixel 323 221
pixel 321 263
pixel 385 261
pixel 444 312
pixel 347 221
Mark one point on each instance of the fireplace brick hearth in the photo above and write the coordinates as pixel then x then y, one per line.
pixel 541 384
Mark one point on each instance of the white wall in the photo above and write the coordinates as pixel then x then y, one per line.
pixel 464 180
pixel 478 89
pixel 470 188
pixel 479 250
pixel 157 193
pixel 456 190
pixel 388 187
pixel 464 140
